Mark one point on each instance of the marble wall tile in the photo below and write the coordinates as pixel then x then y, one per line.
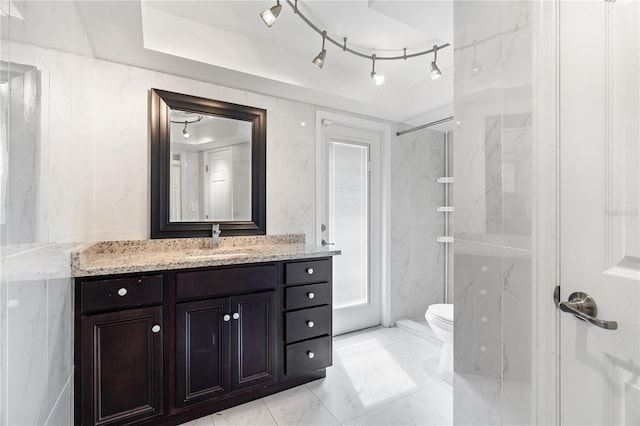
pixel 27 352
pixel 417 259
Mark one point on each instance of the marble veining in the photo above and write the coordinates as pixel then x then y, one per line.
pixel 119 257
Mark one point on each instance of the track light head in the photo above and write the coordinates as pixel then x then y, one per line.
pixel 435 71
pixel 377 78
pixel 318 61
pixel 270 15
pixel 185 132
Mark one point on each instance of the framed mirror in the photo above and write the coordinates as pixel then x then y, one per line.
pixel 208 165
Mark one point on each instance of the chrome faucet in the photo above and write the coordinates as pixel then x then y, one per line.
pixel 215 236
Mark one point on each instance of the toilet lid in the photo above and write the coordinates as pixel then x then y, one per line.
pixel 443 311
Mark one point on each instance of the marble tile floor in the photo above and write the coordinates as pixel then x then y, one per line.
pixel 380 376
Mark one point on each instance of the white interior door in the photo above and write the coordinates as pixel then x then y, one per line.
pixel 218 175
pixel 351 219
pixel 599 193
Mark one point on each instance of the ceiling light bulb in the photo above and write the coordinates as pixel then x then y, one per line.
pixel 378 78
pixel 318 61
pixel 269 16
pixel 475 67
pixel 185 133
pixel 435 71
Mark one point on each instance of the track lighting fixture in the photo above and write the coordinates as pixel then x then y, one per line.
pixel 185 132
pixel 377 78
pixel 318 61
pixel 475 65
pixel 270 15
pixel 435 71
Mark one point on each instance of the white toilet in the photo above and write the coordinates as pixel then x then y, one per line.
pixel 440 319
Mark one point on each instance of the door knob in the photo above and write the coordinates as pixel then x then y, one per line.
pixel 583 307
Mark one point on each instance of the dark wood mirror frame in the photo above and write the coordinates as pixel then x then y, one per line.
pixel 160 105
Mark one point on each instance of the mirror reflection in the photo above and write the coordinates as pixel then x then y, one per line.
pixel 210 172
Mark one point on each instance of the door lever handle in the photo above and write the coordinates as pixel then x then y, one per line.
pixel 583 307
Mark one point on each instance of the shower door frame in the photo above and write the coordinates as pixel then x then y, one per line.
pixel 546 317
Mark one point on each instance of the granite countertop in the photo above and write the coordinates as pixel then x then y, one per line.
pixel 119 257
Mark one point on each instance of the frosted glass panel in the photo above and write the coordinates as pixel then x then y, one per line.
pixel 349 222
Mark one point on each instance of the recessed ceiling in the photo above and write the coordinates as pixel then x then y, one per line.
pixel 191 38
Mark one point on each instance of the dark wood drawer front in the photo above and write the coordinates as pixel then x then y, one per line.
pixel 307 323
pixel 222 282
pixel 120 293
pixel 313 271
pixel 305 296
pixel 308 356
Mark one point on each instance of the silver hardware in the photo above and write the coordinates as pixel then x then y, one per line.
pixel 325 243
pixel 310 354
pixel 215 235
pixel 122 292
pixel 583 307
pixel 140 281
pixel 311 295
pixel 226 317
pixel 236 315
pixel 445 209
pixel 155 328
pixel 310 271
pixel 310 324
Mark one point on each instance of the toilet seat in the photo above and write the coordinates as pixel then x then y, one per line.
pixel 442 312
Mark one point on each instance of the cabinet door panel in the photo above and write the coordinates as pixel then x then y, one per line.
pixel 254 351
pixel 202 342
pixel 122 366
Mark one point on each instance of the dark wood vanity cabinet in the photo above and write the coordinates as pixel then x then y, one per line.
pixel 170 346
pixel 224 345
pixel 120 353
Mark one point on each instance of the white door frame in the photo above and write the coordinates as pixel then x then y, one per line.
pixel 385 178
pixel 546 268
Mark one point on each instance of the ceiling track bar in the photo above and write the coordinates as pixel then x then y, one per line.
pixel 343 45
pixel 424 126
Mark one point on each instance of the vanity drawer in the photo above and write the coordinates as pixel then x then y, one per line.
pixel 305 296
pixel 312 271
pixel 222 281
pixel 308 356
pixel 120 293
pixel 307 323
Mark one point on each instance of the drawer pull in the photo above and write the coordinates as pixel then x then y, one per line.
pixel 140 281
pixel 155 328
pixel 236 315
pixel 122 292
pixel 226 317
pixel 311 295
pixel 310 324
pixel 310 271
pixel 310 354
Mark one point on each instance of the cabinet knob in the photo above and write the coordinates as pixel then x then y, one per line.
pixel 140 281
pixel 311 295
pixel 310 354
pixel 310 324
pixel 236 315
pixel 155 328
pixel 310 271
pixel 122 291
pixel 226 317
